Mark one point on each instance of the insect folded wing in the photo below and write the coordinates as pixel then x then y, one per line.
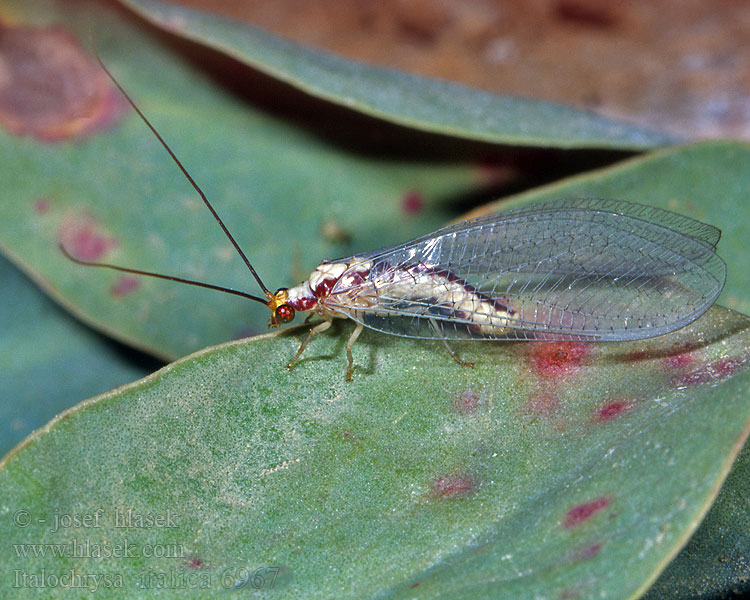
pixel 565 270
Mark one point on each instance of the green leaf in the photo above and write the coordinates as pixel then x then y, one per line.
pixel 549 470
pixel 714 564
pixel 531 475
pixel 277 185
pixel 418 102
pixel 707 181
pixel 48 360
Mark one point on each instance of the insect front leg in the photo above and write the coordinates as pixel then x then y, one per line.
pixel 313 332
pixel 352 339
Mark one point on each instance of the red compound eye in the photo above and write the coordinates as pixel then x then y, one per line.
pixel 284 313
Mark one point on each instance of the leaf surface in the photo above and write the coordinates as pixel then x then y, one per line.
pixel 549 470
pixel 49 360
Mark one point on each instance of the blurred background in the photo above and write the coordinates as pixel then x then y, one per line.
pixel 678 65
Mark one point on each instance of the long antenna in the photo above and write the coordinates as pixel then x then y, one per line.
pixel 159 275
pixel 187 176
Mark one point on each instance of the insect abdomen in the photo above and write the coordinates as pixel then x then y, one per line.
pixel 378 289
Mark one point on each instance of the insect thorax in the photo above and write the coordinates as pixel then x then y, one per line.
pixel 311 295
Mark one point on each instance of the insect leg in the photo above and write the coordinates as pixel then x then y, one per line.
pixel 313 332
pixel 454 356
pixel 352 339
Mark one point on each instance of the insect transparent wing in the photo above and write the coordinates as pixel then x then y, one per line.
pixel 580 269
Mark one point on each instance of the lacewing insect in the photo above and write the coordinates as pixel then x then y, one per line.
pixel 580 269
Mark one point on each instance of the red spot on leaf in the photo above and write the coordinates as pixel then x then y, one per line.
pixel 681 357
pixel 467 403
pixel 543 404
pixel 454 485
pixel 193 562
pixel 588 552
pixel 611 409
pixel 41 206
pixel 557 359
pixel 50 88
pixel 678 361
pixel 412 203
pixel 84 239
pixel 710 372
pixel 582 512
pixel 124 285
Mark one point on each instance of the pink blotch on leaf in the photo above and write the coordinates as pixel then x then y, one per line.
pixel 557 359
pixel 454 485
pixel 542 404
pixel 710 372
pixel 468 402
pixel 124 285
pixel 588 552
pixel 582 512
pixel 678 361
pixel 41 206
pixel 681 357
pixel 83 238
pixel 611 409
pixel 412 203
pixel 50 88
